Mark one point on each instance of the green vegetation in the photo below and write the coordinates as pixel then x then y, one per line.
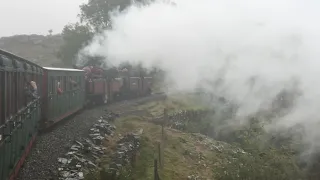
pixel 173 103
pixel 264 157
pixel 242 153
pixel 75 37
pixel 36 48
pixel 185 154
pixel 93 18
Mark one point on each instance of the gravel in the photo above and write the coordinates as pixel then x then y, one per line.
pixel 82 155
pixel 42 163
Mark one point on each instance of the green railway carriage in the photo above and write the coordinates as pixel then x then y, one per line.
pixel 59 104
pixel 19 115
pixel 61 93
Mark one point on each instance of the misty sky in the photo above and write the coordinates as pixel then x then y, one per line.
pixel 36 16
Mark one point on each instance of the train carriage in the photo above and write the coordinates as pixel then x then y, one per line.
pixel 146 85
pixel 97 89
pixel 63 94
pixel 114 88
pixel 34 97
pixel 104 86
pixel 138 86
pixel 19 115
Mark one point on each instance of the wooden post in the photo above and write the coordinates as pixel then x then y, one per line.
pixel 164 123
pixel 156 175
pixel 162 143
pixel 159 153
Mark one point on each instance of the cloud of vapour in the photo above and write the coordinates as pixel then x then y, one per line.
pixel 253 49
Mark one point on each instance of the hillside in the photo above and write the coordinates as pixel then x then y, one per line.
pixel 137 148
pixel 37 48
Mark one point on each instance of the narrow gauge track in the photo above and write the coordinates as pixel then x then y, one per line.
pixel 42 162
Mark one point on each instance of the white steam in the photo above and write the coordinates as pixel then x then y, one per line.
pixel 257 48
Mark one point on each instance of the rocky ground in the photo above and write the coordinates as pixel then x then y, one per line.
pixel 53 149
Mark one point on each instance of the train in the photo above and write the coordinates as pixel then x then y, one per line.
pixel 60 93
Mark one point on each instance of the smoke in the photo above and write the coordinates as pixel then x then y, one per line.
pixel 248 51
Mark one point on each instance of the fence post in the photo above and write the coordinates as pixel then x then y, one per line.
pixel 164 123
pixel 156 175
pixel 159 154
pixel 162 144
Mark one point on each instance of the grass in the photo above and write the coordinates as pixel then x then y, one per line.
pixel 191 153
pixel 185 154
pixel 175 156
pixel 172 103
pixel 260 162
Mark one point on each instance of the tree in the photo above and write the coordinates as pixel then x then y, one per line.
pixel 90 60
pixel 50 32
pixel 75 37
pixel 94 17
pixel 96 12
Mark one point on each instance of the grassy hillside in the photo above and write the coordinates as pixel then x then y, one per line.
pixel 191 154
pixel 37 48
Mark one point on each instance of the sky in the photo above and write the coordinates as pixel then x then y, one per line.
pixel 37 16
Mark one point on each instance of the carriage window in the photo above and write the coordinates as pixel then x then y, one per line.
pixel 58 82
pixel 73 82
pixel 79 81
pixel 21 90
pixel 65 83
pixel 1 98
pixel 70 82
pixel 61 82
pixel 8 94
pixel 52 85
pixel 15 94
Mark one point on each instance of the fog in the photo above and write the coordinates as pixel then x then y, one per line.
pixel 37 16
pixel 247 51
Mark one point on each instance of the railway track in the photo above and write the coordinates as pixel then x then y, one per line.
pixel 42 162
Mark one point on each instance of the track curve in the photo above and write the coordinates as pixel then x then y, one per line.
pixel 42 163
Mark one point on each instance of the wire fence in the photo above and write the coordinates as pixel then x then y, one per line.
pixel 159 155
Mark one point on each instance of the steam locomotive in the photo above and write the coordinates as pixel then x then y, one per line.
pixel 61 92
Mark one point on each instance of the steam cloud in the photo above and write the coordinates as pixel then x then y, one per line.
pixel 250 50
